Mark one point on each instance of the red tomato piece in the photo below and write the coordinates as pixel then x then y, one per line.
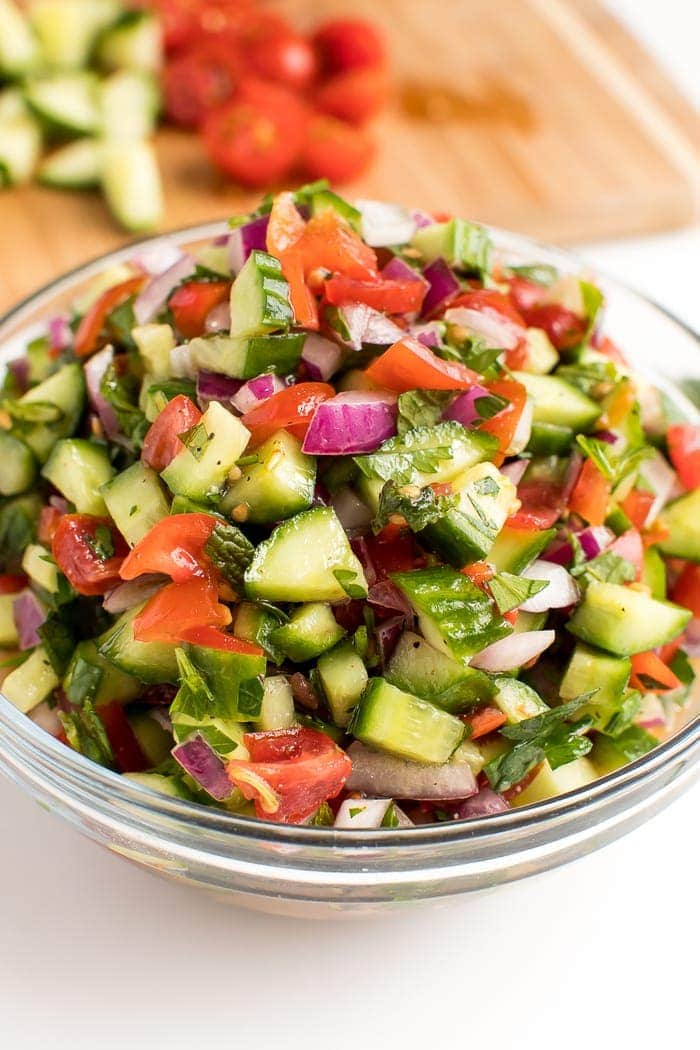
pixel 564 328
pixel 409 365
pixel 290 409
pixel 393 297
pixel 12 583
pixel 212 638
pixel 162 442
pixel 177 607
pixel 355 95
pixel 637 506
pixel 330 243
pixel 650 674
pixel 284 233
pixel 686 589
pixel 335 150
pixel 291 772
pixel 198 81
pixel 525 295
pixel 126 749
pixel 174 546
pixel 390 554
pixel 610 349
pixel 504 424
pixel 684 451
pixel 590 495
pixel 191 303
pixel 87 337
pixel 78 549
pixel 489 300
pixel 479 572
pixel 349 43
pixel 483 721
pixel 48 523
pixel 285 56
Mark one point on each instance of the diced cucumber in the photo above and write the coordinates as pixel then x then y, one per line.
pixel 149 661
pixel 40 567
pixel 418 668
pixel 163 785
pixel 211 450
pixel 463 245
pixel 682 519
pixel 542 357
pixel 325 200
pixel 343 677
pixel 277 485
pixel 135 501
pixel 515 549
pixel 624 621
pixel 550 783
pixel 402 724
pixel 18 45
pixel 135 42
pixel 558 402
pixel 78 469
pixel 277 710
pixel 67 103
pixel 129 103
pixel 468 753
pixel 255 623
pixel 306 559
pixel 31 682
pixel 66 390
pixel 468 532
pixel 454 615
pixel 591 669
pixel 259 298
pixel 154 740
pixel 67 29
pixel 611 753
pixel 12 104
pixel 215 257
pixel 517 700
pixel 77 166
pixel 244 358
pixel 91 677
pixel 224 672
pixel 18 465
pixel 154 342
pixel 131 184
pixel 20 147
pixel 654 573
pixel 8 627
pixel 114 274
pixel 310 631
pixel 549 439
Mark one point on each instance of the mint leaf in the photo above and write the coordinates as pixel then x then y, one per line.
pixel 419 507
pixel 607 567
pixel 421 408
pixel 122 393
pixel 84 682
pixel 511 591
pixel 196 709
pixel 196 440
pixel 474 353
pixel 422 450
pixel 59 643
pixel 250 695
pixel 86 734
pixel 230 552
pixel 101 543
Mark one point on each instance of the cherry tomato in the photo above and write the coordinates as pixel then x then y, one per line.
pixel 87 337
pixel 291 772
pixel 349 43
pixel 355 95
pixel 290 409
pixel 409 365
pixel 89 552
pixel 590 495
pixel 12 583
pixel 285 56
pixel 637 506
pixel 200 80
pixel 212 638
pixel 650 674
pixel 684 451
pixel 191 303
pixel 162 442
pixel 393 297
pixel 174 546
pixel 525 295
pixel 335 150
pixel 125 747
pixel 177 607
pixel 483 721
pixel 564 328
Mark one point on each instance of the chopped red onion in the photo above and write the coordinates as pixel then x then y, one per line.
pixel 691 641
pixel 429 334
pixel 94 369
pixel 361 814
pixel 571 477
pixel 322 357
pixel 250 236
pixel 29 614
pixel 380 774
pixel 351 422
pixel 444 286
pixel 463 409
pixel 366 326
pixel 663 482
pixel 607 436
pixel 514 651
pixel 203 764
pixel 651 712
pixel 154 296
pixel 399 270
pixel 59 503
pixel 386 595
pixel 219 318
pixel 352 513
pixel 256 390
pixel 361 549
pixel 422 218
pixel 484 804
pixel 559 553
pixel 523 430
pixel 47 719
pixel 132 592
pixel 383 224
pixel 213 386
pixel 515 470
pixel 156 259
pixel 630 547
pixel 561 590
pixel 19 368
pixel 595 539
pixel 387 634
pixel 60 334
pixel 490 325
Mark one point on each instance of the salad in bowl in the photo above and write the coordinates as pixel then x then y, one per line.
pixel 341 520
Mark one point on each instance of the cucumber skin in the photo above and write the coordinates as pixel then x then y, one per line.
pixel 19 465
pixel 624 622
pixel 151 662
pixel 682 519
pixel 416 667
pixel 413 739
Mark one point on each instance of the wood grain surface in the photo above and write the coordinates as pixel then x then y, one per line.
pixel 543 116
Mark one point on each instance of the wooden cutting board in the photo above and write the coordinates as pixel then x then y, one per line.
pixel 542 116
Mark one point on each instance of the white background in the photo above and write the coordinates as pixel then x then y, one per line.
pixel 94 953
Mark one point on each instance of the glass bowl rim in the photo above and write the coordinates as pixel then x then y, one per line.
pixel 199 817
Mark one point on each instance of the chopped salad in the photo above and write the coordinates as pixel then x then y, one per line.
pixel 341 519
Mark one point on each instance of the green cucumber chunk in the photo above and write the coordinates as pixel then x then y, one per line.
pixel 416 667
pixel 590 669
pixel 134 42
pixel 517 700
pixel 64 391
pixel 259 298
pixel 515 549
pixel 8 629
pixel 129 102
pixel 18 465
pixel 132 185
pixel 136 501
pixel 77 166
pixel 78 469
pixel 66 103
pixel 224 672
pixel 405 725
pixel 154 343
pixel 278 483
pixel 39 566
pixel 310 631
pixel 18 45
pixel 550 439
pixel 211 450
pixel 624 621
pixel 277 708
pixel 32 682
pixel 343 677
pixel 20 149
pixel 682 519
pixel 654 573
pixel 67 29
pixel 558 402
pixel 463 245
pixel 550 783
pixel 244 358
pixel 152 662
pixel 90 676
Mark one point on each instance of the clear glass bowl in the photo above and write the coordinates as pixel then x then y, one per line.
pixel 315 871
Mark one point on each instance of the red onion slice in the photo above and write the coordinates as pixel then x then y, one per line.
pixel 218 319
pixel 464 408
pixel 322 357
pixel 250 236
pixel 561 590
pixel 630 547
pixel 352 513
pixel 383 775
pixel 514 471
pixel 154 296
pixel 444 286
pixel 384 225
pixel 490 325
pixel 663 482
pixel 126 595
pixel 366 326
pixel 60 334
pixel 485 804
pixel 94 369
pixel 651 714
pixel 361 814
pixel 29 614
pixel 203 764
pixel 352 422
pixel 255 391
pixel 513 652
pixel 213 386
pixel 523 430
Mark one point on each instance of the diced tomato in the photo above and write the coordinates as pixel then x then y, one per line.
pixel 191 303
pixel 49 518
pixel 126 749
pixel 391 554
pixel 291 772
pixel 285 230
pixel 684 451
pixel 533 519
pixel 564 328
pixel 606 346
pixel 355 95
pixel 330 243
pixel 590 495
pixel 686 589
pixel 409 365
pixel 542 503
pixel 525 295
pixel 349 43
pixel 177 607
pixel 212 638
pixel 290 409
pixel 393 297
pixel 174 546
pixel 504 424
pixel 78 548
pixel 668 651
pixel 162 442
pixel 484 720
pixel 656 533
pixel 511 616
pixel 200 80
pixel 87 337
pixel 637 505
pixel 650 674
pixel 479 572
pixel 286 56
pixel 11 583
pixel 336 150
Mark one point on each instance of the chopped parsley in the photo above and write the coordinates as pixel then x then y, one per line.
pixel 419 507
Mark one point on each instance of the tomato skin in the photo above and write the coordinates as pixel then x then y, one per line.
pixel 564 328
pixel 177 607
pixel 649 665
pixel 162 442
pixel 12 583
pixel 302 766
pixel 287 57
pixel 390 554
pixel 409 365
pixel 504 424
pixel 290 409
pixel 212 638
pixel 483 721
pixel 479 572
pixel 191 303
pixel 686 589
pixel 284 233
pixel 335 150
pixel 126 749
pixel 684 451
pixel 87 337
pixel 252 144
pixel 174 546
pixel 48 523
pixel 355 95
pixel 637 505
pixel 393 297
pixel 525 295
pixel 330 242
pixel 590 495
pixel 76 558
pixel 349 43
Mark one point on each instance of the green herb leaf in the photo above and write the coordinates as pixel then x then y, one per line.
pixel 196 709
pixel 348 581
pixel 323 817
pixel 474 353
pixel 122 393
pixel 231 552
pixel 101 543
pixel 121 322
pixel 419 507
pixel 422 449
pixel 196 440
pixel 421 408
pixel 18 521
pixel 511 591
pixel 171 388
pixel 607 567
pixel 59 642
pixel 84 683
pixel 250 695
pixel 86 734
pixel 634 743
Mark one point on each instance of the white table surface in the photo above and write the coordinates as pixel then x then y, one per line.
pixel 94 953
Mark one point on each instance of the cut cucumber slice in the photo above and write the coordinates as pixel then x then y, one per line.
pixel 246 358
pixel 106 682
pixel 277 485
pixel 129 103
pixel 212 448
pixel 9 638
pixel 259 298
pixel 558 402
pixel 154 342
pixel 515 549
pixel 136 501
pixel 542 357
pixel 624 621
pixel 66 390
pixel 163 785
pixel 517 700
pixel 148 661
pixel 67 29
pixel 18 465
pixel 77 166
pixel 463 245
pixel 277 709
pixel 132 185
pixel 18 45
pixel 67 104
pixel 682 519
pixel 343 677
pixel 20 148
pixel 12 104
pixel 31 682
pixel 654 573
pixel 135 42
pixel 548 439
pixel 306 559
pixel 40 567
pixel 402 724
pixel 550 783
pixel 154 740
pixel 591 669
pixel 310 631
pixel 78 469
pixel 418 668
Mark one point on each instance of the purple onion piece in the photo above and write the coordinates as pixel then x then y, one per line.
pixel 203 764
pixel 60 334
pixel 386 595
pixel 154 296
pixel 515 470
pixel 595 539
pixel 443 287
pixel 386 776
pixel 360 548
pixel 212 386
pixel 464 409
pixel 369 327
pixel 397 269
pixel 256 390
pixel 352 422
pixel 132 592
pixel 59 503
pixel 512 652
pixel 322 357
pixel 429 334
pixel 19 368
pixel 29 614
pixel 422 218
pixel 387 634
pixel 95 369
pixel 484 804
pixel 251 236
pixel 607 436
